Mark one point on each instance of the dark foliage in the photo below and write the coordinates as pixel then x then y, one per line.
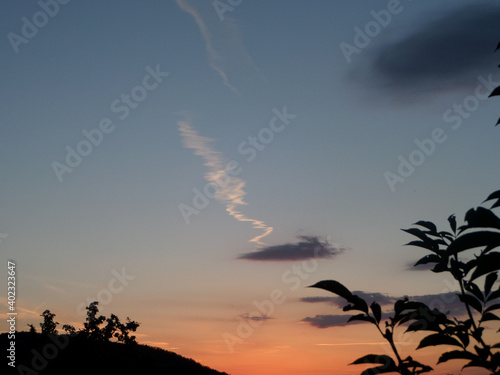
pixel 479 238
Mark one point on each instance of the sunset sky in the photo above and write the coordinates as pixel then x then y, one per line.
pixel 195 165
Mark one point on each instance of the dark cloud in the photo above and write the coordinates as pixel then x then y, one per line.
pixel 445 53
pixel 325 321
pixel 308 247
pixel 382 299
pixel 448 303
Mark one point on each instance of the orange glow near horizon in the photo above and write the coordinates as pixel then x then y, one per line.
pixel 279 346
pixel 298 349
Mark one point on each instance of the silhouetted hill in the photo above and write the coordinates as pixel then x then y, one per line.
pixel 63 354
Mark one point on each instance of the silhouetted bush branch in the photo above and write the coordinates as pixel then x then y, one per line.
pixel 480 237
pixel 92 329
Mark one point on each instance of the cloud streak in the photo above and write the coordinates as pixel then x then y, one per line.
pixel 306 248
pixel 231 192
pixel 214 58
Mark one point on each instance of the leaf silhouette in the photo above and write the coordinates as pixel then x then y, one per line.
pixel 377 311
pixel 489 281
pixel 431 258
pixel 495 92
pixel 357 304
pixel 429 245
pixel 496 194
pixel 438 339
pixel 457 354
pixel 409 362
pixel 495 294
pixel 417 233
pixel 427 224
pixel 472 301
pixel 496 306
pixel 482 218
pixel 473 240
pixel 453 223
pixel 486 263
pixel 489 316
pixel 474 289
pixel 375 358
pixel 334 287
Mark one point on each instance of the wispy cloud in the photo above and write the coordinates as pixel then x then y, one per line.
pixel 230 193
pixel 214 58
pixel 256 318
pixel 24 312
pixel 306 248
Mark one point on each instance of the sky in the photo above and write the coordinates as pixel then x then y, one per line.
pixel 195 165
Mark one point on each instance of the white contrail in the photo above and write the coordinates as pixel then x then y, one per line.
pixel 213 56
pixel 231 191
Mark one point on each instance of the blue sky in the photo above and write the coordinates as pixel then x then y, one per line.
pixel 323 175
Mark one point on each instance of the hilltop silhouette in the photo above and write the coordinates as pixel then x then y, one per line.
pixel 103 346
pixel 38 354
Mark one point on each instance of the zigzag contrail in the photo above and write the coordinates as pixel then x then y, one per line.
pixel 231 193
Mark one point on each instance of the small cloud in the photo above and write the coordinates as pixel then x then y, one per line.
pixel 326 321
pixel 255 318
pixel 307 247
